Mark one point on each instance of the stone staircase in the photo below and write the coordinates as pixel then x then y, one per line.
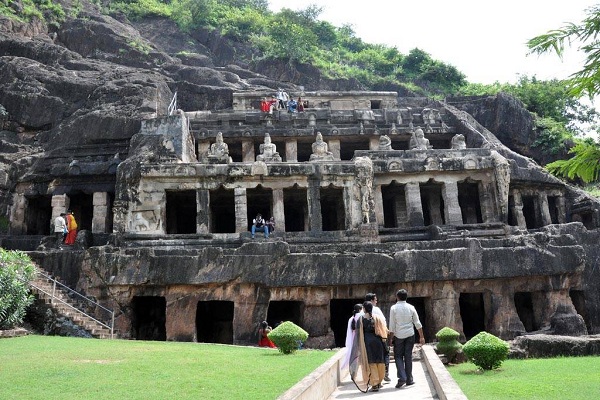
pixel 71 305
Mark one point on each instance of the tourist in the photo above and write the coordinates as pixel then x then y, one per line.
pixel 265 105
pixel 60 229
pixel 351 333
pixel 403 317
pixel 300 104
pixel 71 228
pixel 263 338
pixel 258 224
pixel 283 98
pixel 270 224
pixel 372 297
pixel 292 105
pixel 367 367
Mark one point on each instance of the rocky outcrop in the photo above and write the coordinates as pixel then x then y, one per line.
pixel 543 346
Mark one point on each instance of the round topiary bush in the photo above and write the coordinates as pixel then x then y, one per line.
pixel 448 343
pixel 486 351
pixel 288 337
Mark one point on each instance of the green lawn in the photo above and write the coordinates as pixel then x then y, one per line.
pixel 52 367
pixel 544 379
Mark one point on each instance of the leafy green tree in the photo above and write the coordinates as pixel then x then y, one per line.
pixel 584 165
pixel 16 270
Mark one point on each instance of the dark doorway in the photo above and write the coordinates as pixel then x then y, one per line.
pixel 149 318
pixel 394 205
pixel 432 203
pixel 524 306
pixel 472 313
pixel 38 215
pixel 82 205
pixel 340 311
pixel 419 304
pixel 222 210
pixel 578 299
pixel 295 205
pixel 304 150
pixel 235 151
pixel 259 200
pixel 181 211
pixel 347 149
pixel 468 200
pixel 529 212
pixel 375 104
pixel 214 322
pixel 281 311
pixel 332 209
pixel 553 209
pixel 512 218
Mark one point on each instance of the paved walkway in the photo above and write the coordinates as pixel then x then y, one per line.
pixel 422 389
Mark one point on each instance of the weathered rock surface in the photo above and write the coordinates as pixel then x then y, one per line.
pixel 542 346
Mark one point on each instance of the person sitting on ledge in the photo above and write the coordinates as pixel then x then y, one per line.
pixel 270 224
pixel 258 224
pixel 292 106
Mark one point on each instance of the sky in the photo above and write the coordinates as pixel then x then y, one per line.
pixel 485 40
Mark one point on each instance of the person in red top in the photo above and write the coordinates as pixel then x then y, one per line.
pixel 72 227
pixel 263 339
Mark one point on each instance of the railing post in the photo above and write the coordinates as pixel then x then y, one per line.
pixel 53 290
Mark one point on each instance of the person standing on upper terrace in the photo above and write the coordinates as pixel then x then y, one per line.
pixel 283 98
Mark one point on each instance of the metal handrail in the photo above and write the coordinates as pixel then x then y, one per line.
pixel 69 290
pixel 172 105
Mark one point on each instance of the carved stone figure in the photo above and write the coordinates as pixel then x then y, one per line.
pixel 458 142
pixel 364 175
pixel 268 151
pixel 219 151
pixel 393 129
pixel 431 116
pixel 385 143
pixel 320 150
pixel 418 141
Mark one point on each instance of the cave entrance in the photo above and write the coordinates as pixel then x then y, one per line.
pixel 432 203
pixel 468 200
pixel 420 304
pixel 578 300
pixel 82 205
pixel 472 312
pixel 332 209
pixel 295 205
pixel 259 200
pixel 285 310
pixel 347 149
pixel 529 212
pixel 181 211
pixel 340 311
pixel 394 205
pixel 214 321
pixel 524 306
pixel 38 215
pixel 512 218
pixel 304 151
pixel 222 210
pixel 149 318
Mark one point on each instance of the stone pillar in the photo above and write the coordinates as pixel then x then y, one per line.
pixel 180 318
pixel 241 210
pixel 504 320
pixel 101 213
pixel 400 209
pixel 414 208
pixel 379 206
pixel 445 308
pixel 291 150
pixel 374 143
pixel 452 211
pixel 248 150
pixel 60 204
pixel 203 211
pixel 334 148
pixel 544 209
pixel 278 210
pixel 203 148
pixel 486 201
pixel 561 209
pixel 315 221
pixel 517 209
pixel 17 215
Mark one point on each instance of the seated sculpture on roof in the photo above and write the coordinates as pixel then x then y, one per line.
pixel 385 143
pixel 268 151
pixel 219 151
pixel 418 141
pixel 458 142
pixel 320 150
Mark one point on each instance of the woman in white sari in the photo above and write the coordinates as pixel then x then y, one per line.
pixel 350 334
pixel 367 366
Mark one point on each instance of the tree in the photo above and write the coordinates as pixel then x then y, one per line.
pixel 584 165
pixel 16 270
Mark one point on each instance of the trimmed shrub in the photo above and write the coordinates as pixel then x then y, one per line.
pixel 448 343
pixel 288 337
pixel 486 351
pixel 16 270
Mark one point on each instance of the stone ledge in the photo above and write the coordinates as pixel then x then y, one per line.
pixel 445 386
pixel 9 333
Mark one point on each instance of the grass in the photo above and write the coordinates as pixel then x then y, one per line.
pixel 52 367
pixel 544 379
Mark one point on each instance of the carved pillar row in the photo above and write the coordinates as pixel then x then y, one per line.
pixel 379 206
pixel 517 209
pixel 241 210
pixel 315 221
pixel 452 211
pixel 248 150
pixel 203 211
pixel 335 149
pixel 291 150
pixel 414 207
pixel 17 215
pixel 278 209
pixel 544 209
pixel 101 212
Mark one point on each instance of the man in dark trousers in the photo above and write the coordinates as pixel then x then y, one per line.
pixel 403 320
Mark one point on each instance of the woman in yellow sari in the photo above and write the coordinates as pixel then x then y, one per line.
pixel 367 365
